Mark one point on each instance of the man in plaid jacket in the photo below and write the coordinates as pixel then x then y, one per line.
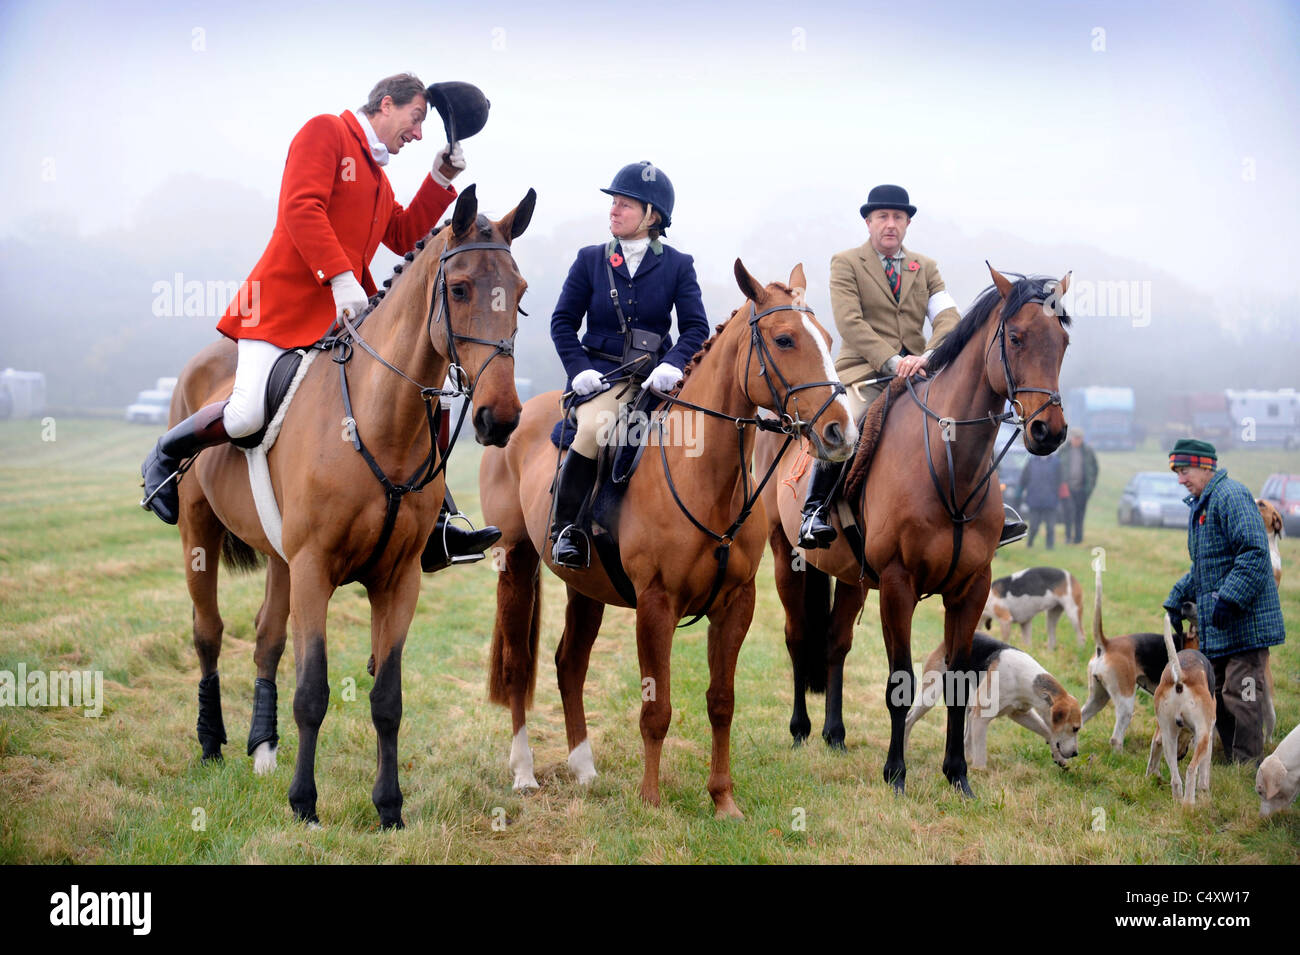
pixel 1231 580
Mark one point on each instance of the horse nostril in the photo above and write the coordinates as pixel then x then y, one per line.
pixel 1038 431
pixel 834 434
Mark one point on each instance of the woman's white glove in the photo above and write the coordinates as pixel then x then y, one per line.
pixel 663 378
pixel 589 382
pixel 349 296
pixel 448 164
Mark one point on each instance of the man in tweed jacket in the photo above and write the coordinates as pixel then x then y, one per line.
pixel 1231 580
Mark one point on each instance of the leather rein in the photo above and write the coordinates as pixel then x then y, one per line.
pixel 342 350
pixel 787 424
pixel 957 512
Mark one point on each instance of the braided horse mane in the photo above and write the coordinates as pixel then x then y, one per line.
pixel 717 331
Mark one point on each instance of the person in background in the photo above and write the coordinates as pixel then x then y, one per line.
pixel 1040 486
pixel 1231 580
pixel 1079 473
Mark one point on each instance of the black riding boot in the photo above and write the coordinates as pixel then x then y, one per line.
pixel 1013 528
pixel 203 429
pixel 574 484
pixel 452 544
pixel 815 530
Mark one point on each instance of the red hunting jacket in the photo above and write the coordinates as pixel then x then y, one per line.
pixel 336 206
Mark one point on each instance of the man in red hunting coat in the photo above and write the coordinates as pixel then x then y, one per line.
pixel 335 207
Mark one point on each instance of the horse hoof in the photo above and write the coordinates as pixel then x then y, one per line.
pixel 313 825
pixel 799 741
pixel 899 787
pixel 213 756
pixel 581 763
pixel 391 825
pixel 962 786
pixel 727 809
pixel 835 744
pixel 525 783
pixel 264 759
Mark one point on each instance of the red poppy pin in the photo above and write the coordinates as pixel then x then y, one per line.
pixel 913 266
pixel 1201 520
pixel 616 260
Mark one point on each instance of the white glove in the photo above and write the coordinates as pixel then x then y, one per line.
pixel 589 382
pixel 663 378
pixel 349 296
pixel 450 157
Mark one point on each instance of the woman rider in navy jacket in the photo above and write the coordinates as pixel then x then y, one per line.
pixel 651 279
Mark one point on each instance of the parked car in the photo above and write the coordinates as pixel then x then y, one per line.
pixel 1153 499
pixel 150 407
pixel 1283 492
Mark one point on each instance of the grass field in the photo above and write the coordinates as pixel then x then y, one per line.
pixel 89 582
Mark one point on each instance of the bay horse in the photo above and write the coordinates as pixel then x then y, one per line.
pixel 923 534
pixel 456 300
pixel 770 353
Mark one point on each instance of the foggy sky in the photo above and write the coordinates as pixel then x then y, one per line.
pixel 1165 134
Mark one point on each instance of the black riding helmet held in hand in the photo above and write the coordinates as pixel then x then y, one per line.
pixel 462 106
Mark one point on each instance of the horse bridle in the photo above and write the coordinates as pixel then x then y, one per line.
pixel 957 512
pixel 786 424
pixel 461 387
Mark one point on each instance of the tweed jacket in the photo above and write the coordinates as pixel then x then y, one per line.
pixel 1230 558
pixel 335 207
pixel 665 281
pixel 873 327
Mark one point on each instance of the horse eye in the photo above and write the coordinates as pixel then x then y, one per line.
pixel 784 341
pixel 1015 339
pixel 460 293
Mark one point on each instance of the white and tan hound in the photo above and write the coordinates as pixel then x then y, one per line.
pixel 1273 529
pixel 1120 666
pixel 1027 593
pixel 1009 683
pixel 1184 709
pixel 1278 779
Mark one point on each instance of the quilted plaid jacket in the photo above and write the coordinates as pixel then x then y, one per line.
pixel 1230 558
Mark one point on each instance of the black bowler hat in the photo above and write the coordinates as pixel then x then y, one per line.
pixel 887 197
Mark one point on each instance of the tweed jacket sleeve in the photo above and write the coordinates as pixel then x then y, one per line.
pixel 847 299
pixel 1237 533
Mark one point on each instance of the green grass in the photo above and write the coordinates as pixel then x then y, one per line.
pixel 87 581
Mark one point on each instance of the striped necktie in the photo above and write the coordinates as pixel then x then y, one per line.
pixel 895 280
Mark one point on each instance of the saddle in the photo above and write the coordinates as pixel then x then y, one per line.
pixel 616 462
pixel 277 386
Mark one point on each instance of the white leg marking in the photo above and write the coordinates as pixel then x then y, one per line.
pixel 264 759
pixel 581 762
pixel 521 761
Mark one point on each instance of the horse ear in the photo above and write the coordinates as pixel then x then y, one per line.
pixel 513 224
pixel 999 280
pixel 1063 285
pixel 797 280
pixel 750 287
pixel 463 219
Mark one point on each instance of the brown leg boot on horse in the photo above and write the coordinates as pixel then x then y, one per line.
pixel 203 429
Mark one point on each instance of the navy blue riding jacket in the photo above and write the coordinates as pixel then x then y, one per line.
pixel 664 280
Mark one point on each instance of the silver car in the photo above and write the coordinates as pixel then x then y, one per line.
pixel 1154 499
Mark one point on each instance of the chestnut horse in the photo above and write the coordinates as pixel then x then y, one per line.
pixel 926 530
pixel 773 354
pixel 333 505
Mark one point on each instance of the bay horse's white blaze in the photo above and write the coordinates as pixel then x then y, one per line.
pixel 521 761
pixel 581 762
pixel 829 366
pixel 264 759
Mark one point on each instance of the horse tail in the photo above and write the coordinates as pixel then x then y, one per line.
pixel 237 555
pixel 816 627
pixel 511 665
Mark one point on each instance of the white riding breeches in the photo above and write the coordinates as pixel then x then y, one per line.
pixel 246 412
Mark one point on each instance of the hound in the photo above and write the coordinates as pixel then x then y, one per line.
pixel 1119 667
pixel 1193 641
pixel 1184 707
pixel 1273 530
pixel 1027 593
pixel 1278 779
pixel 1010 683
